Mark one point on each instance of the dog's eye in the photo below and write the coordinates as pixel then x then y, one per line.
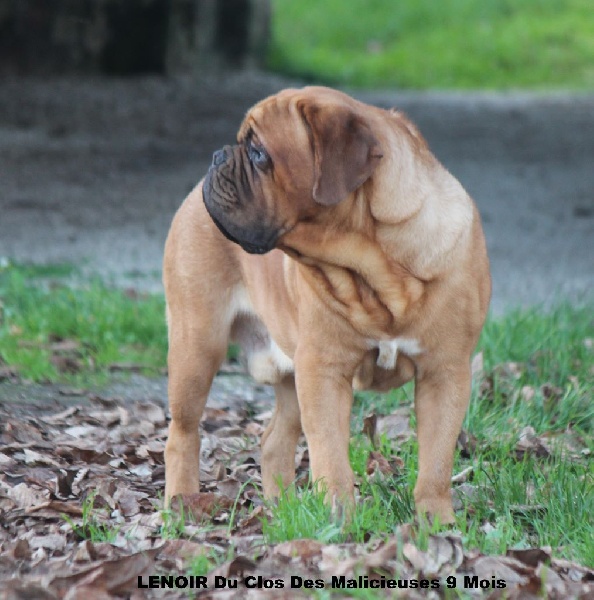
pixel 258 155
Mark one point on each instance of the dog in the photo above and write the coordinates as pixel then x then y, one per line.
pixel 334 247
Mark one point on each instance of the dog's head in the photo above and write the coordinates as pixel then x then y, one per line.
pixel 297 153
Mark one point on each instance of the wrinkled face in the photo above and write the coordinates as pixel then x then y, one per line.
pixel 232 192
pixel 298 152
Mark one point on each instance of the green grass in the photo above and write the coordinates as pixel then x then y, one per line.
pixel 39 308
pixel 517 501
pixel 549 349
pixel 422 44
pixel 201 565
pixel 92 526
pixel 174 523
pixel 303 514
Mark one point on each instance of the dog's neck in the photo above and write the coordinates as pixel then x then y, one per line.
pixel 370 289
pixel 423 215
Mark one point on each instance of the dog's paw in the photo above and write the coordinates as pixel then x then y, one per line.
pixel 436 509
pixel 198 505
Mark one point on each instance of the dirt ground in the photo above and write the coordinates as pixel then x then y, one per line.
pixel 92 171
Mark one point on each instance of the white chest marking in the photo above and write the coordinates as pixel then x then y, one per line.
pixel 388 350
pixel 409 346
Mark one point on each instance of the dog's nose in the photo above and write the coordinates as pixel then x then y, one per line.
pixel 219 157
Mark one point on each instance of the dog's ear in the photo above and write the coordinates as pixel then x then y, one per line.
pixel 345 151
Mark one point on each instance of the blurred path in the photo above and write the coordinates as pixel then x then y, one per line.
pixel 93 170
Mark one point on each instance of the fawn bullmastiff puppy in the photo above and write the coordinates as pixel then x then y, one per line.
pixel 334 247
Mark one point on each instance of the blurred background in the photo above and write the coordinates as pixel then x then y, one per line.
pixel 422 44
pixel 110 111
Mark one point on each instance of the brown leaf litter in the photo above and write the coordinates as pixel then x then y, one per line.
pixel 54 464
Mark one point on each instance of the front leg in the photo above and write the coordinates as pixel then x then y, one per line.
pixel 325 395
pixel 195 354
pixel 441 399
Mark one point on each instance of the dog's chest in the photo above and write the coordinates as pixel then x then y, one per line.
pixel 389 349
pixel 268 364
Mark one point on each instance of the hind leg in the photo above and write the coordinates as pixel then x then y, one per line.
pixel 280 439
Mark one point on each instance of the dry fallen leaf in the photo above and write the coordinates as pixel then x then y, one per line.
pixel 378 463
pixel 396 426
pixel 23 495
pixel 370 428
pixel 532 557
pixel 441 551
pixel 466 444
pixel 50 542
pixel 509 370
pixel 529 442
pixel 119 576
pixel 149 411
pixel 527 392
pixel 303 549
pixel 512 571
